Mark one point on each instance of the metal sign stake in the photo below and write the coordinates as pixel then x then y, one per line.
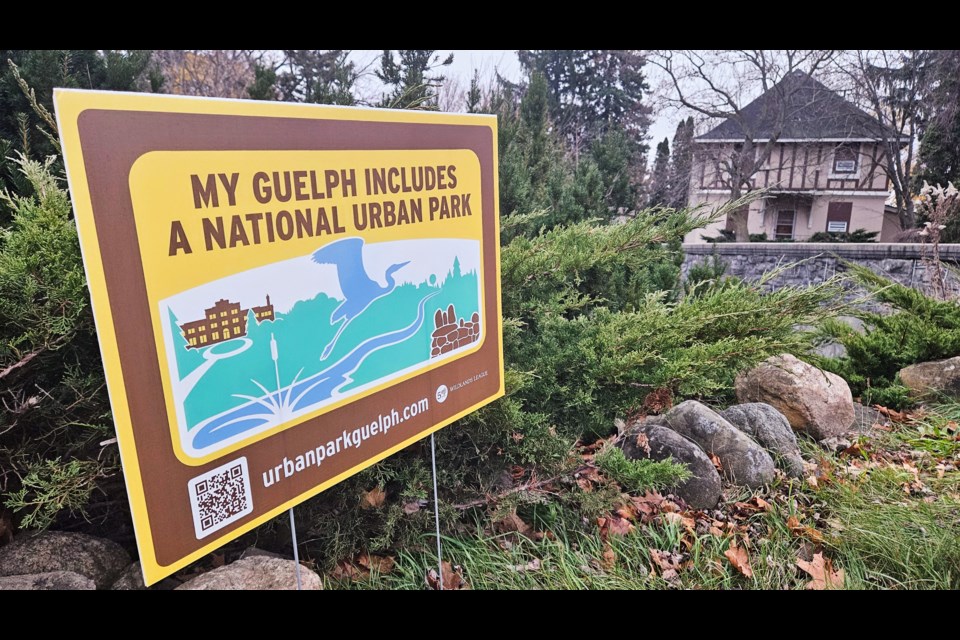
pixel 436 509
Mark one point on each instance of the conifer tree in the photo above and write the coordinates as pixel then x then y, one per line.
pixel 680 162
pixel 659 192
pixel 411 78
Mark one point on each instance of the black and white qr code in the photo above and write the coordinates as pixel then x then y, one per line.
pixel 220 496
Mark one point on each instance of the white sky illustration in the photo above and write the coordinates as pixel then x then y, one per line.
pixel 290 281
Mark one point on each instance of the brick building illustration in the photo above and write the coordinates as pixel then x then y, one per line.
pixel 223 321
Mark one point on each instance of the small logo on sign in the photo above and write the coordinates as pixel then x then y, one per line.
pixel 442 392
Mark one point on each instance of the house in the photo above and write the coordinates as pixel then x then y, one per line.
pixel 223 321
pixel 820 157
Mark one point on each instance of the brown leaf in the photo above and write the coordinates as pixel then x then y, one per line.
pixel 452 578
pixel 411 508
pixel 739 559
pixel 763 504
pixel 797 529
pixel 627 512
pixel 822 572
pixel 618 526
pixel 346 570
pixel 533 565
pixel 609 558
pixel 512 523
pixel 668 563
pixel 373 499
pixel 812 481
pixel 379 564
pixel 716 462
pixel 680 520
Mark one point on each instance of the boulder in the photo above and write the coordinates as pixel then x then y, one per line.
pixel 743 460
pixel 49 581
pixel 939 377
pixel 865 417
pixel 816 402
pixel 649 440
pixel 130 580
pixel 96 558
pixel 254 573
pixel 771 430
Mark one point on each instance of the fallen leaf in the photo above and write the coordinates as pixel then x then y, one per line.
pixel 822 572
pixel 346 570
pixel 643 443
pixel 739 559
pixel 763 504
pixel 619 526
pixel 373 499
pixel 680 520
pixel 627 512
pixel 668 563
pixel 512 523
pixel 452 578
pixel 379 564
pixel 411 508
pixel 533 565
pixel 609 558
pixel 812 481
pixel 716 462
pixel 797 529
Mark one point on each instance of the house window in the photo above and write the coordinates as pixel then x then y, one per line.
pixel 838 216
pixel 845 159
pixel 784 228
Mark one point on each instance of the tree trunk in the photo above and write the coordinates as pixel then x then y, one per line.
pixel 737 220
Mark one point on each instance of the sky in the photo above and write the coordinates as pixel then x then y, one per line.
pixel 506 63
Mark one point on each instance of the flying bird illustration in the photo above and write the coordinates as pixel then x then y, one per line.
pixel 359 290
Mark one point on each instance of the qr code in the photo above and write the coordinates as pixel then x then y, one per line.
pixel 220 496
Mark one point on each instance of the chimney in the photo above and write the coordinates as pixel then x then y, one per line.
pixel 268 299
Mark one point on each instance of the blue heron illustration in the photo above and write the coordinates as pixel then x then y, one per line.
pixel 359 290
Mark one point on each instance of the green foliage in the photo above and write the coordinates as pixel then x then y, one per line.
pixel 939 152
pixel 50 487
pixel 538 175
pixel 659 191
pixel 728 235
pixel 592 91
pixel 42 70
pixel 857 235
pixel 921 329
pixel 316 76
pixel 705 274
pixel 56 407
pixel 411 78
pixel 890 542
pixel 681 163
pixel 639 476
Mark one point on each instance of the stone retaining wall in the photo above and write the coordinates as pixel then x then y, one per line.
pixel 816 262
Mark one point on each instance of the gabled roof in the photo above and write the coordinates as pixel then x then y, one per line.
pixel 798 108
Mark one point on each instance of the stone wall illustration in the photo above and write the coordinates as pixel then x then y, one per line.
pixel 452 334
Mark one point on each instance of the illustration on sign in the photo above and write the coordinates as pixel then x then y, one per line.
pixel 284 295
pixel 326 329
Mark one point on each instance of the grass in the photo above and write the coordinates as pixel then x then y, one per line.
pixel 886 512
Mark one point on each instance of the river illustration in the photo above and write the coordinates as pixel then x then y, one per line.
pixel 257 350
